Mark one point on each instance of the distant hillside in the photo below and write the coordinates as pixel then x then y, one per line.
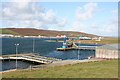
pixel 7 31
pixel 36 32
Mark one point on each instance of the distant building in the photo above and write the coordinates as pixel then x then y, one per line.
pixel 6 35
pixel 108 51
pixel 26 36
pixel 85 38
pixel 30 36
pixel 97 38
pixel 61 36
pixel 41 36
pixel 17 36
pixel 94 38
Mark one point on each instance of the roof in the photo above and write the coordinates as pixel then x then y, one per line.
pixel 110 47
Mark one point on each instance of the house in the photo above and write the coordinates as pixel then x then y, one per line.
pixel 61 36
pixel 109 51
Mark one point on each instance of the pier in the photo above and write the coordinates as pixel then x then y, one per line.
pixel 78 48
pixel 73 46
pixel 29 57
pixel 86 47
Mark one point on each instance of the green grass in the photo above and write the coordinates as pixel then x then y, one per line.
pixel 6 31
pixel 103 69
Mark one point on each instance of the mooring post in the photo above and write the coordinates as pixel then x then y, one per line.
pixel 30 68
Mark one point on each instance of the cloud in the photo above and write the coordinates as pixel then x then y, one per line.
pixel 108 27
pixel 112 25
pixel 115 11
pixel 21 4
pixel 19 0
pixel 26 12
pixel 115 20
pixel 83 22
pixel 62 22
pixel 49 17
pixel 8 12
pixel 83 14
pixel 86 12
pixel 76 26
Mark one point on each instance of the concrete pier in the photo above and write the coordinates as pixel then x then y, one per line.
pixel 86 47
pixel 78 48
pixel 29 57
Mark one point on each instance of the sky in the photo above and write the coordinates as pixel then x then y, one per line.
pixel 100 18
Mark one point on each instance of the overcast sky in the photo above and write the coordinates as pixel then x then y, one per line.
pixel 98 18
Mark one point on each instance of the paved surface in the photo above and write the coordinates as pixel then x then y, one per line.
pixel 66 62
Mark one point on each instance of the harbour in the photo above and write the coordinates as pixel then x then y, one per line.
pixel 59 39
pixel 42 48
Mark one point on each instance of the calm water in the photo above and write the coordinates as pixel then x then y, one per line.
pixel 42 47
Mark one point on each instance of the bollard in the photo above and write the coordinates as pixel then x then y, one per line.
pixel 30 68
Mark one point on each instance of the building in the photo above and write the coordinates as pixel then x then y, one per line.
pixel 85 38
pixel 97 38
pixel 18 36
pixel 109 51
pixel 6 35
pixel 61 36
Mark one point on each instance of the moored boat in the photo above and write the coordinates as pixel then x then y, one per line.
pixel 65 49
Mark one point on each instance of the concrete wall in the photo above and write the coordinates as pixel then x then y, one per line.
pixel 105 53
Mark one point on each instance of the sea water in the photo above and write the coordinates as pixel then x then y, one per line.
pixel 41 46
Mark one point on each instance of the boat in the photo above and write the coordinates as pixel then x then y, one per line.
pixel 67 46
pixel 65 49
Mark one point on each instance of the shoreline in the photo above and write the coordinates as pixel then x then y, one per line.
pixel 70 62
pixel 56 63
pixel 7 71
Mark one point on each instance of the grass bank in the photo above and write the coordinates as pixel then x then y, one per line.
pixel 101 69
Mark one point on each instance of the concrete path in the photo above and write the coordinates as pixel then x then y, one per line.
pixel 66 62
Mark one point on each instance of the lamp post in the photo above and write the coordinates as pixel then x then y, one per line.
pixel 78 53
pixel 33 45
pixel 16 45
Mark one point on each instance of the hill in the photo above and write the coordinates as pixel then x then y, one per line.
pixel 36 32
pixel 7 31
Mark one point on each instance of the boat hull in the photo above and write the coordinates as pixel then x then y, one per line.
pixel 65 49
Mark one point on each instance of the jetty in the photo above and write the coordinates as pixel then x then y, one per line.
pixel 29 57
pixel 75 47
pixel 86 47
pixel 65 49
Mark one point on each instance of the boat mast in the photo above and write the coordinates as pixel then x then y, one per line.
pixel 65 39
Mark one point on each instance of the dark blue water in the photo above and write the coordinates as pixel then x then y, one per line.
pixel 26 45
pixel 7 65
pixel 42 47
